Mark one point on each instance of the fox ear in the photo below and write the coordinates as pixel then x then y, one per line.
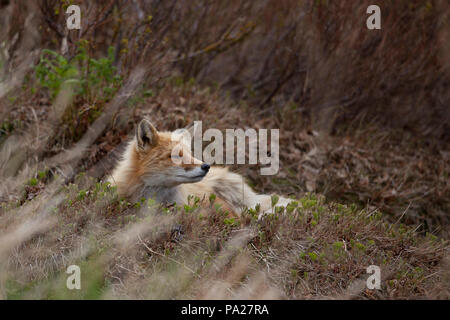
pixel 146 135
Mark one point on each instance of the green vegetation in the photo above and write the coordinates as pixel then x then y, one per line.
pixel 92 79
pixel 285 243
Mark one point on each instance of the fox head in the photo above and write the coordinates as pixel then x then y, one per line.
pixel 164 158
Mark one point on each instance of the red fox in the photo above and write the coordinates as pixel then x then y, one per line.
pixel 147 169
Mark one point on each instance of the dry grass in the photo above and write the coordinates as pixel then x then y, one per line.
pixel 364 146
pixel 125 250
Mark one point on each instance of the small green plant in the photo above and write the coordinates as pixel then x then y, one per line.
pixel 279 209
pixel 291 206
pixel 6 128
pixel 218 207
pixel 82 194
pixel 90 82
pixel 42 174
pixel 231 222
pixel 338 245
pixel 148 93
pixel 274 199
pixel 294 273
pixel 253 213
pixel 94 79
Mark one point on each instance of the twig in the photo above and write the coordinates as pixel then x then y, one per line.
pixel 171 259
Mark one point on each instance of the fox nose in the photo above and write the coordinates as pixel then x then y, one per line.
pixel 205 167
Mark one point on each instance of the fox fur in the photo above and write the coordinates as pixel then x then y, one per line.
pixel 147 170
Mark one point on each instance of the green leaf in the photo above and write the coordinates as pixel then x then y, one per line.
pixel 274 199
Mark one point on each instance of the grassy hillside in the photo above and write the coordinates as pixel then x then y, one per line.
pixel 139 250
pixel 364 148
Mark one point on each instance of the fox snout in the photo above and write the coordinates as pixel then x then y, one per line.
pixel 205 167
